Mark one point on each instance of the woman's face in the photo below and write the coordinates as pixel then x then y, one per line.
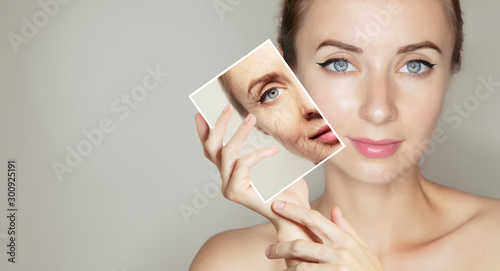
pixel 265 87
pixel 379 71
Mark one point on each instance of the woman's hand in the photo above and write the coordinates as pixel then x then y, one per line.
pixel 234 170
pixel 341 248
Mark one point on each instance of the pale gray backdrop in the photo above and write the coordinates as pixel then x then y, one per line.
pixel 85 66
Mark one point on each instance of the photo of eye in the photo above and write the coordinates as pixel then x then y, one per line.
pixel 262 84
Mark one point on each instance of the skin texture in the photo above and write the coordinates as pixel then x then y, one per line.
pixel 281 107
pixel 392 217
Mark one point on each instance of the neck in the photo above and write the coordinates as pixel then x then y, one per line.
pixel 382 213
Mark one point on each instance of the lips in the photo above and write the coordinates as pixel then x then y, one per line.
pixel 376 148
pixel 325 135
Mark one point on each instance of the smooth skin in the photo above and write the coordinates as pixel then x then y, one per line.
pixel 392 217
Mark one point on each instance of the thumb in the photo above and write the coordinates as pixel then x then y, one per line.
pixel 340 221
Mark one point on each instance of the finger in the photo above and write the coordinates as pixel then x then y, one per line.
pixel 202 129
pixel 242 133
pixel 214 142
pixel 339 219
pixel 322 227
pixel 301 249
pixel 230 152
pixel 239 178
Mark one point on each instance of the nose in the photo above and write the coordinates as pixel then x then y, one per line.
pixel 378 105
pixel 307 108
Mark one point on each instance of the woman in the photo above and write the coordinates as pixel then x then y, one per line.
pixel 383 92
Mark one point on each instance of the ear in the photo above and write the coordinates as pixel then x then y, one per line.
pixel 280 50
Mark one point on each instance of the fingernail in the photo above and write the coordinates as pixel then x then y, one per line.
pixel 247 118
pixel 227 107
pixel 268 251
pixel 278 204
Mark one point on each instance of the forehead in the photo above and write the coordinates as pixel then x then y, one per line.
pixel 262 61
pixel 384 23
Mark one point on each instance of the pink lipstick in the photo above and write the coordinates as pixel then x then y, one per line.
pixel 325 135
pixel 376 148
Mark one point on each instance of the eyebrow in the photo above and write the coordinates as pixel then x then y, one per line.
pixel 341 45
pixel 272 76
pixel 417 46
pixel 402 50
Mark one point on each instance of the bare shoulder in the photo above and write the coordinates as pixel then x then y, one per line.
pixel 483 233
pixel 477 231
pixel 486 219
pixel 473 210
pixel 238 249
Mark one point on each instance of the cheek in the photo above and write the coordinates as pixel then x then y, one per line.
pixel 282 119
pixel 423 120
pixel 421 104
pixel 334 96
pixel 285 126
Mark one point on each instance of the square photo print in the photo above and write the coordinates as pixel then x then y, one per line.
pixel 262 84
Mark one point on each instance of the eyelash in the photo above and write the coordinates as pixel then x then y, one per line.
pixel 429 65
pixel 332 60
pixel 263 96
pixel 421 61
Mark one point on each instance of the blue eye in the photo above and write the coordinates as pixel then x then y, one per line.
pixel 270 94
pixel 339 65
pixel 416 67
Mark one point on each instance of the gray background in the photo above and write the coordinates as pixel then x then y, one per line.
pixel 119 209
